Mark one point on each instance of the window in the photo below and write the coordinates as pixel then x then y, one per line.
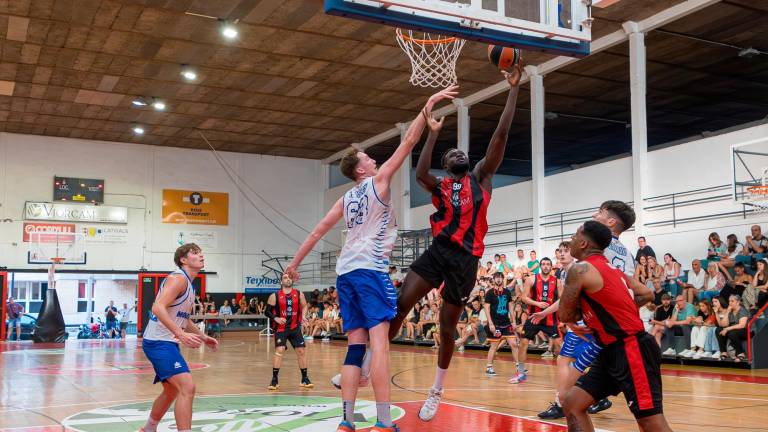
pixel 82 297
pixel 29 294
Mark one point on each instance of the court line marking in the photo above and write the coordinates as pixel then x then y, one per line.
pixel 538 420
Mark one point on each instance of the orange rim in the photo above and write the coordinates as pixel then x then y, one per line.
pixel 426 41
pixel 758 190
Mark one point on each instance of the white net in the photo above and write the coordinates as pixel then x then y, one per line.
pixel 61 247
pixel 757 196
pixel 433 58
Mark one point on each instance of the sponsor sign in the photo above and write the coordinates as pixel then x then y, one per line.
pixel 105 234
pixel 195 207
pixel 204 239
pixel 261 285
pixel 44 227
pixel 235 413
pixel 66 212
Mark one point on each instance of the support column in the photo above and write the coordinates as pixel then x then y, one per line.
pixel 537 153
pixel 402 194
pixel 462 126
pixel 637 83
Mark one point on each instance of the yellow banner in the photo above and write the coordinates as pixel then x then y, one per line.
pixel 195 207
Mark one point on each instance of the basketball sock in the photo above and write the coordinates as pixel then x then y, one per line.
pixel 275 372
pixel 151 425
pixel 304 373
pixel 521 368
pixel 439 377
pixel 383 415
pixel 349 411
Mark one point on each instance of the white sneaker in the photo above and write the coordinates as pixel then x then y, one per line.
pixel 700 354
pixel 547 354
pixel 669 351
pixel 429 409
pixel 322 333
pixel 687 354
pixel 460 348
pixel 716 355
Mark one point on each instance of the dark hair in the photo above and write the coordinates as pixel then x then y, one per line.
pixel 641 238
pixel 545 259
pixel 349 162
pixel 666 296
pixel 497 256
pixel 739 265
pixel 732 242
pixel 670 256
pixel 599 234
pixel 445 156
pixel 499 274
pixel 622 211
pixel 566 244
pixel 183 250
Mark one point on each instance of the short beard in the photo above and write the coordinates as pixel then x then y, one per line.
pixel 459 169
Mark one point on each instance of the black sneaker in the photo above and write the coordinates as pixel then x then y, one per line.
pixel 273 385
pixel 306 383
pixel 554 411
pixel 600 405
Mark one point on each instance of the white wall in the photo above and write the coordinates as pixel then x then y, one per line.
pixel 135 176
pixel 698 164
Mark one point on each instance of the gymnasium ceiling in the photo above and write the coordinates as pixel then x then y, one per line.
pixel 299 83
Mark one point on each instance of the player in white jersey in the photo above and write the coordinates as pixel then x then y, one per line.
pixel 367 299
pixel 169 325
pixel 579 351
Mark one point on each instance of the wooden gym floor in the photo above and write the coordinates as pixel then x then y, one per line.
pixel 106 386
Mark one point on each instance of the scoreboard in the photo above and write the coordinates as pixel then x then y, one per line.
pixel 78 190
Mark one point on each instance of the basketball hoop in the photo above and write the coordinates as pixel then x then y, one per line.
pixel 58 260
pixel 433 58
pixel 758 198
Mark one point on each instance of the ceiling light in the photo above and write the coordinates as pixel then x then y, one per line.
pixel 228 30
pixel 188 73
pixel 158 105
pixel 138 130
pixel 139 101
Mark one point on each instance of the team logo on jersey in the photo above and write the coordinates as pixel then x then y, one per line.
pixel 234 413
pixel 356 212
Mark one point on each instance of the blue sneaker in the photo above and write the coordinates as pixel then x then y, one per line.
pixel 345 426
pixel 517 379
pixel 378 427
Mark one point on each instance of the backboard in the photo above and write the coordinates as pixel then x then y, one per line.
pixel 749 168
pixel 47 247
pixel 554 26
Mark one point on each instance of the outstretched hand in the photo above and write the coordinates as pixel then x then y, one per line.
pixel 433 125
pixel 291 271
pixel 446 93
pixel 513 78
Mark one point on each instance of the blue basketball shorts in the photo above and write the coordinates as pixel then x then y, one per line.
pixel 366 298
pixel 165 357
pixel 583 352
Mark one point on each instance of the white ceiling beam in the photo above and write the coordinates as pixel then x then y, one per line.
pixel 612 39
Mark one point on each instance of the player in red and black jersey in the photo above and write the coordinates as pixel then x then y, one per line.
pixel 286 310
pixel 630 361
pixel 459 225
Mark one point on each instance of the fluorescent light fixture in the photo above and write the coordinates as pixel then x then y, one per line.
pixel 138 130
pixel 139 101
pixel 228 30
pixel 158 105
pixel 188 73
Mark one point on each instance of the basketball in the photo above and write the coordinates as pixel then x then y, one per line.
pixel 503 58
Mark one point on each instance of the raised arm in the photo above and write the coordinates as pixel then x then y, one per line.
pixel 642 294
pixel 412 136
pixel 423 176
pixel 320 230
pixel 487 167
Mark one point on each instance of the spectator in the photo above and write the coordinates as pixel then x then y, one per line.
pixel 198 305
pixel 703 340
pixel 212 326
pixel 757 288
pixel 671 275
pixel 314 297
pixel 261 307
pixel 336 318
pixel 756 242
pixel 485 271
pixel 473 322
pixel 716 249
pixel 110 316
pixel 333 295
pixel 243 306
pixel 732 249
pixel 412 325
pixel 695 281
pixel 427 321
pixel 15 311
pixel 533 264
pixel 521 262
pixel 641 271
pixel 714 281
pixel 233 305
pixel 682 317
pixel 504 265
pixel 733 329
pixel 394 276
pixel 125 318
pixel 661 315
pixel 496 264
pixel 655 272
pixel 557 266
pixel 521 316
pixel 741 280
pixel 225 310
pixel 658 293
pixel 208 302
pixel 643 249
pixel 646 315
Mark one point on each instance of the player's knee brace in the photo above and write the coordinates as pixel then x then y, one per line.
pixel 355 354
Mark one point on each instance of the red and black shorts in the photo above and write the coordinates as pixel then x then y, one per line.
pixel 501 332
pixel 631 366
pixel 445 262
pixel 293 336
